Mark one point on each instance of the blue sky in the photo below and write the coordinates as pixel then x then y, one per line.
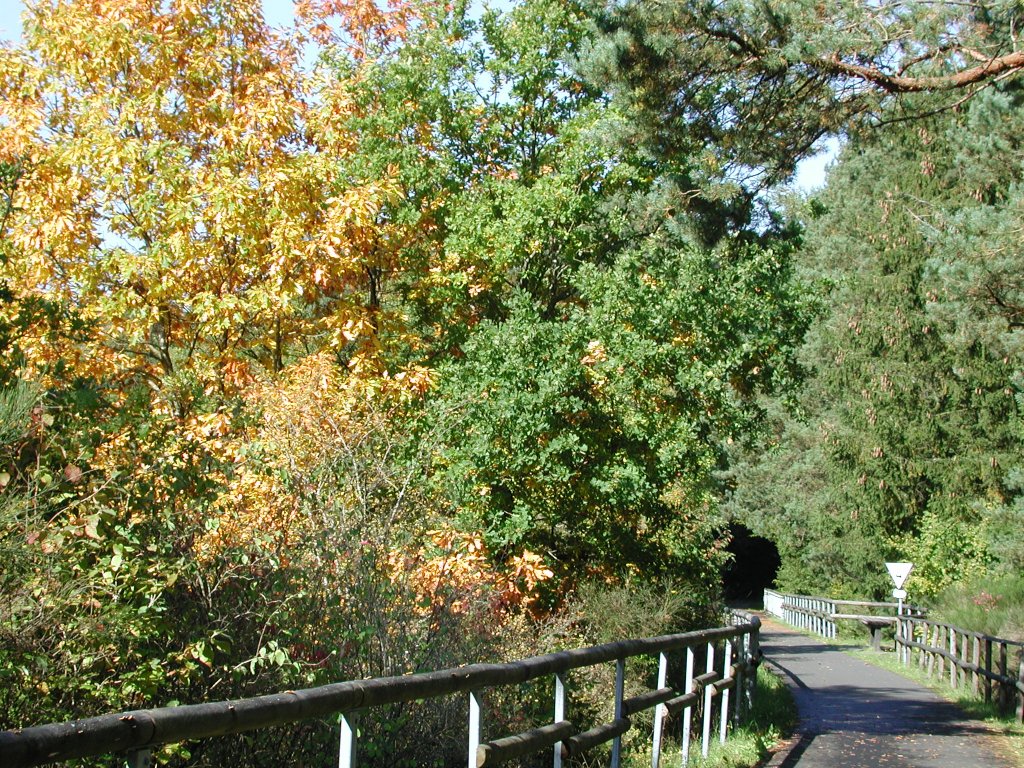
pixel 810 173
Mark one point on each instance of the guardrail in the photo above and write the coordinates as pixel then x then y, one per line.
pixel 819 615
pixel 988 660
pixel 730 657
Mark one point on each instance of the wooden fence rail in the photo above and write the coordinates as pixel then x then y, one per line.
pixel 819 615
pixel 992 666
pixel 730 653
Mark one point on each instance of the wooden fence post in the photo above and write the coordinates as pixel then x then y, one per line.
pixel 1020 684
pixel 910 636
pixel 942 645
pixel 741 679
pixel 953 669
pixel 1003 691
pixel 923 654
pixel 754 658
pixel 988 668
pixel 976 660
pixel 965 658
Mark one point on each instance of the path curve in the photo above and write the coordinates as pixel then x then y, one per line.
pixel 855 715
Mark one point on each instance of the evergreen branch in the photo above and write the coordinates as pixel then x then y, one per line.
pixel 999 65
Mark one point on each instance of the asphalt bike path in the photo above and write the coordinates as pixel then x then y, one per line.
pixel 855 715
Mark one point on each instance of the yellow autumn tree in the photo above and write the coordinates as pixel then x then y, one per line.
pixel 184 190
pixel 324 472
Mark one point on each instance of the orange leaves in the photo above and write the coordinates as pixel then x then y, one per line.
pixel 454 571
pixel 361 25
pixel 312 416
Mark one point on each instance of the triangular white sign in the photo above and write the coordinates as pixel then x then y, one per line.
pixel 899 572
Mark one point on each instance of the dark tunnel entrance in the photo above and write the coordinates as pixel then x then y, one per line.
pixel 754 564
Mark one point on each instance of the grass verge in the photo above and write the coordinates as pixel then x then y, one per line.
pixel 774 717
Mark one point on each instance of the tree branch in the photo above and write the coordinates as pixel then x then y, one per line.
pixel 1000 65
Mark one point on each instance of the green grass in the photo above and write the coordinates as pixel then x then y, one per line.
pixel 773 718
pixel 974 707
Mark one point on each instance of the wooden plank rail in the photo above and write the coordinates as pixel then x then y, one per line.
pixel 646 701
pixel 965 652
pixel 602 734
pixel 820 614
pixel 502 750
pixel 139 731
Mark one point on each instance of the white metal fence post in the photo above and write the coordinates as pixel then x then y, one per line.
pixel 474 728
pixel 139 758
pixel 347 742
pixel 620 684
pixel 688 712
pixel 726 663
pixel 559 716
pixel 659 712
pixel 708 693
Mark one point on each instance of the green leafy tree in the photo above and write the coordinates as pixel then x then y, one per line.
pixel 908 434
pixel 593 436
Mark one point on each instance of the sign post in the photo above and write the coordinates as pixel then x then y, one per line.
pixel 899 573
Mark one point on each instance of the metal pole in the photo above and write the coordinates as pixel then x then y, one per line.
pixel 724 723
pixel 706 733
pixel 620 684
pixel 688 712
pixel 474 729
pixel 659 712
pixel 347 744
pixel 559 716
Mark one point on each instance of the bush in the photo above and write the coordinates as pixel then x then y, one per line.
pixel 990 604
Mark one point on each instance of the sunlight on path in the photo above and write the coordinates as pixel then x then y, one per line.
pixel 854 715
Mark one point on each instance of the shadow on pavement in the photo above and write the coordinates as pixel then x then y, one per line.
pixel 812 648
pixel 795 752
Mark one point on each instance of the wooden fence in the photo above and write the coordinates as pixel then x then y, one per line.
pixel 730 656
pixel 992 666
pixel 819 615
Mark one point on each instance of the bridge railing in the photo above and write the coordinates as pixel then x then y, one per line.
pixel 729 655
pixel 819 615
pixel 992 666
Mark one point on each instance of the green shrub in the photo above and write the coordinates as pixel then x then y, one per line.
pixel 990 604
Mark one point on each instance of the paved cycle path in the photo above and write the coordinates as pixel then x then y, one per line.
pixel 855 715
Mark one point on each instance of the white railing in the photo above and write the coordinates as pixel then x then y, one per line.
pixel 819 615
pixel 729 655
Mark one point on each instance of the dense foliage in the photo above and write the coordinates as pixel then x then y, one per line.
pixel 374 344
pixel 907 444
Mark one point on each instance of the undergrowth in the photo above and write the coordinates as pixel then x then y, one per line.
pixel 773 718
